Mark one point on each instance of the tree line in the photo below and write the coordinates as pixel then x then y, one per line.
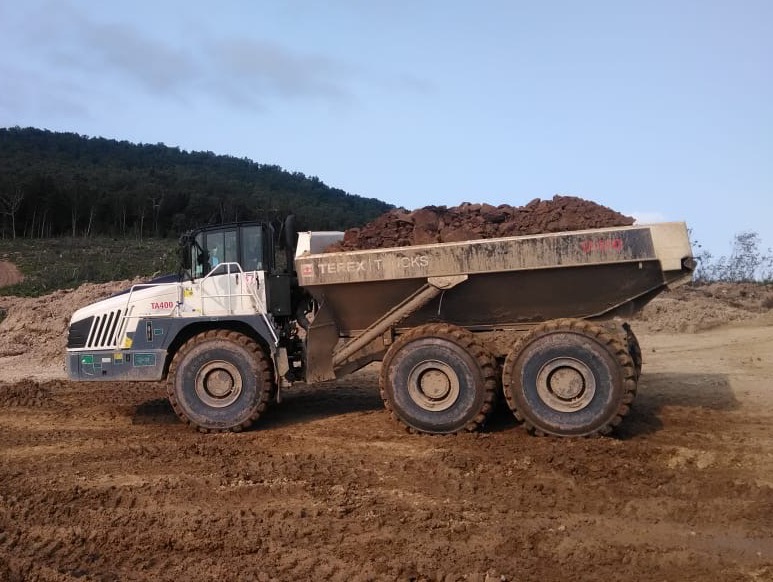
pixel 63 184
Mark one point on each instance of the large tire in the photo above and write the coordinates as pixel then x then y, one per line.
pixel 438 379
pixel 220 381
pixel 570 378
pixel 634 349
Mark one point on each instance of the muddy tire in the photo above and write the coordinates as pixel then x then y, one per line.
pixel 569 378
pixel 634 349
pixel 220 381
pixel 438 379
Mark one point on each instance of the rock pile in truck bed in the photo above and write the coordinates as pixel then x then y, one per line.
pixel 467 221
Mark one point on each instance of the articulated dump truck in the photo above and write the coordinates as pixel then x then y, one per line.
pixel 539 320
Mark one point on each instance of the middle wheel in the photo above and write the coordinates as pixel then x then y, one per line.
pixel 438 379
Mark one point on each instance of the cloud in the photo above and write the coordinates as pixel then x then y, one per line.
pixel 648 217
pixel 28 96
pixel 118 49
pixel 60 42
pixel 267 67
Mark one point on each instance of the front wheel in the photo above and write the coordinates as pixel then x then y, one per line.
pixel 438 379
pixel 569 378
pixel 220 381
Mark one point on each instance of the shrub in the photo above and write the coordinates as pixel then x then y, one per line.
pixel 747 262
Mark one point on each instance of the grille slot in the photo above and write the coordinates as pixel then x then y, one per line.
pixel 79 332
pixel 107 325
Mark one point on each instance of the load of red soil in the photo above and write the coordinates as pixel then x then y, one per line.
pixel 433 224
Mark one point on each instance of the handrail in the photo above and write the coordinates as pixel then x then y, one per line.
pixel 258 304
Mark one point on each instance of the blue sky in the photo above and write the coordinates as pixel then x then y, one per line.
pixel 660 109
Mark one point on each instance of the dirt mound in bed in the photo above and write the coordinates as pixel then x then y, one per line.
pixel 433 224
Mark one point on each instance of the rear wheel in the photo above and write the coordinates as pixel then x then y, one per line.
pixel 438 379
pixel 569 378
pixel 220 381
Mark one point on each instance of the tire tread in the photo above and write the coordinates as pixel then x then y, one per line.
pixel 617 347
pixel 468 342
pixel 264 376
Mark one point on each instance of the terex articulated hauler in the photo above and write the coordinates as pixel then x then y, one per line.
pixel 228 336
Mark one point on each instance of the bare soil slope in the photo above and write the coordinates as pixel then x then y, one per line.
pixel 9 274
pixel 33 331
pixel 101 481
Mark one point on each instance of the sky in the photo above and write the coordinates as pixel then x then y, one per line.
pixel 660 109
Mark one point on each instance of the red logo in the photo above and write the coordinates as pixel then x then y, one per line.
pixel 307 270
pixel 602 245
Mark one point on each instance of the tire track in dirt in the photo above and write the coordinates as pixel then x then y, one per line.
pixel 100 481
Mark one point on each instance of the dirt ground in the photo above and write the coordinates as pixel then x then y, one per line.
pixel 102 482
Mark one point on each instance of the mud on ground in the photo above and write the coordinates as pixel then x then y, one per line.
pixel 102 482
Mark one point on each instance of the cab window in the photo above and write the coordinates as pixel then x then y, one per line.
pixel 242 244
pixel 252 248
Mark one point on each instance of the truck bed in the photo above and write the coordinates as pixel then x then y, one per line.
pixel 366 297
pixel 509 281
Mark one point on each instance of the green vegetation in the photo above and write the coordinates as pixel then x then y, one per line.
pixel 63 263
pixel 75 209
pixel 64 184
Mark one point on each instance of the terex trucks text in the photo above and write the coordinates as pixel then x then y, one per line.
pixel 538 319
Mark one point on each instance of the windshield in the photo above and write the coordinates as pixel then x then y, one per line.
pixel 235 244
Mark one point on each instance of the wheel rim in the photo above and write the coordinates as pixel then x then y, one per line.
pixel 218 384
pixel 566 384
pixel 433 385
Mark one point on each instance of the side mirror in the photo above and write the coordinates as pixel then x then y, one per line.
pixel 291 234
pixel 291 241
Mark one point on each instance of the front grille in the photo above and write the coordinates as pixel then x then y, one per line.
pixel 104 330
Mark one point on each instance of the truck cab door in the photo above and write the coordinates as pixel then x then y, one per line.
pixel 216 261
pixel 229 265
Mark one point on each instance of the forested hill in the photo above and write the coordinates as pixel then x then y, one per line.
pixel 55 184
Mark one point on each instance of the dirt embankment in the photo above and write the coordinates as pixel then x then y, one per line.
pixel 695 308
pixel 33 330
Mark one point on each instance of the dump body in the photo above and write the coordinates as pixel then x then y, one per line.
pixel 487 284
